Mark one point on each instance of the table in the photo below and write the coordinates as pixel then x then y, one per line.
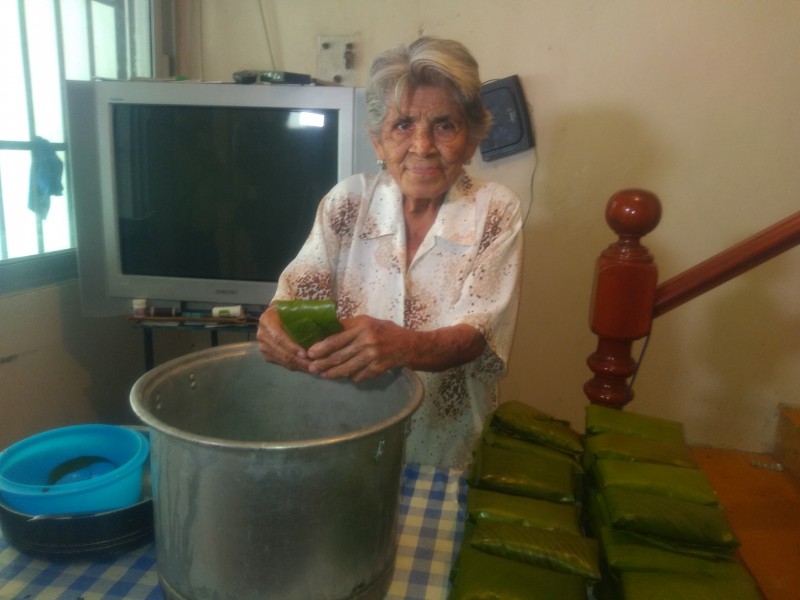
pixel 432 511
pixel 212 326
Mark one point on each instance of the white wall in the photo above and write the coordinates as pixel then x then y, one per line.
pixel 696 100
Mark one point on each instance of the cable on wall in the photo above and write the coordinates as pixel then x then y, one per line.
pixel 266 33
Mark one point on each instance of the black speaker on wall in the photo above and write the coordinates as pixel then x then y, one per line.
pixel 511 132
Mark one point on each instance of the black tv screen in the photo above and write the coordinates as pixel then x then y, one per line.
pixel 216 192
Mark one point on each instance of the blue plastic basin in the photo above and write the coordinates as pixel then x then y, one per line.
pixel 100 468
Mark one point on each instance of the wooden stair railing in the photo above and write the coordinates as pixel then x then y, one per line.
pixel 627 297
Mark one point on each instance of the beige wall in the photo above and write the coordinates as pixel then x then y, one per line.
pixel 696 100
pixel 60 368
pixel 57 368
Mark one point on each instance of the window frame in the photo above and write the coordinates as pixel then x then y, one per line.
pixel 29 272
pixel 25 273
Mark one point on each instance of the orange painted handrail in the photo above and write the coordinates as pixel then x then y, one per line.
pixel 726 265
pixel 626 297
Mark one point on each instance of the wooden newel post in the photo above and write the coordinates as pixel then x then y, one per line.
pixel 623 295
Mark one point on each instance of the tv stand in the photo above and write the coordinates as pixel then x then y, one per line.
pixel 211 324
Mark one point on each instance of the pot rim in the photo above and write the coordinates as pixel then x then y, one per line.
pixel 152 378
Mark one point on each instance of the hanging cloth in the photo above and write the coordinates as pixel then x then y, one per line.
pixel 46 171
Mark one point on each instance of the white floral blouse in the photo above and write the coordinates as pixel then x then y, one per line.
pixel 467 270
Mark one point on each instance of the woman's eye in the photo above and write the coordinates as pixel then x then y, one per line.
pixel 443 130
pixel 446 129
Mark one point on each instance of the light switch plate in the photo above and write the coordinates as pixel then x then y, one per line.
pixel 336 59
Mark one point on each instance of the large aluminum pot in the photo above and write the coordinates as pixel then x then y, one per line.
pixel 269 483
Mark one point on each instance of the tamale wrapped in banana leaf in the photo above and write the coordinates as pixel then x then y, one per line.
pixel 638 585
pixel 556 550
pixel 681 483
pixel 524 421
pixel 481 576
pixel 624 446
pixel 522 474
pixel 601 419
pixel 496 506
pixel 495 438
pixel 624 551
pixel 308 321
pixel 599 520
pixel 668 518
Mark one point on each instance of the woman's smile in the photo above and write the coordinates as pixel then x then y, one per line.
pixel 425 170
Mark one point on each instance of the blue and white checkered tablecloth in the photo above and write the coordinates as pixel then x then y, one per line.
pixel 432 510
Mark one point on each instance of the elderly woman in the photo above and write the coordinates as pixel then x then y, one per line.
pixel 422 260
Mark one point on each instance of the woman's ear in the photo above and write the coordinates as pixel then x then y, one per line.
pixel 469 151
pixel 376 145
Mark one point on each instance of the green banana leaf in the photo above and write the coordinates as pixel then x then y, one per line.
pixel 601 419
pixel 496 506
pixel 526 422
pixel 624 551
pixel 481 576
pixel 308 321
pixel 680 483
pixel 597 519
pixel 666 586
pixel 623 446
pixel 522 474
pixel 556 550
pixel 508 442
pixel 668 518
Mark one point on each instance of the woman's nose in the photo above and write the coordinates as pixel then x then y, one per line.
pixel 422 142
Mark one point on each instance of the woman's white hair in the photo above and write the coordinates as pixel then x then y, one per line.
pixel 428 61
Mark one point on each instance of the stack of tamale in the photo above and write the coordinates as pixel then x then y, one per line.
pixel 523 538
pixel 661 530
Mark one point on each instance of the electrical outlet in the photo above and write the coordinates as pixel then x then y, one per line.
pixel 336 56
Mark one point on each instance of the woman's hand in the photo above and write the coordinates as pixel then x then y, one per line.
pixel 276 345
pixel 368 347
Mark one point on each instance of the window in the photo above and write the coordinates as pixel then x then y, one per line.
pixel 43 43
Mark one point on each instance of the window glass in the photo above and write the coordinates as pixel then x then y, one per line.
pixel 21 237
pixel 45 74
pixel 142 41
pixel 75 35
pixel 106 61
pixel 14 121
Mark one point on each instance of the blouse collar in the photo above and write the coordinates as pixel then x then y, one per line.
pixel 455 222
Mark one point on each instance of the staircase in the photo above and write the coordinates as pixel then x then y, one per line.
pixel 761 497
pixel 760 493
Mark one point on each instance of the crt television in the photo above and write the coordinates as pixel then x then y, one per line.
pixel 201 193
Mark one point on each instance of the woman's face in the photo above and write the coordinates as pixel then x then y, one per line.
pixel 425 143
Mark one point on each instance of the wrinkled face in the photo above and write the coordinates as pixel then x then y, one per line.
pixel 425 143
